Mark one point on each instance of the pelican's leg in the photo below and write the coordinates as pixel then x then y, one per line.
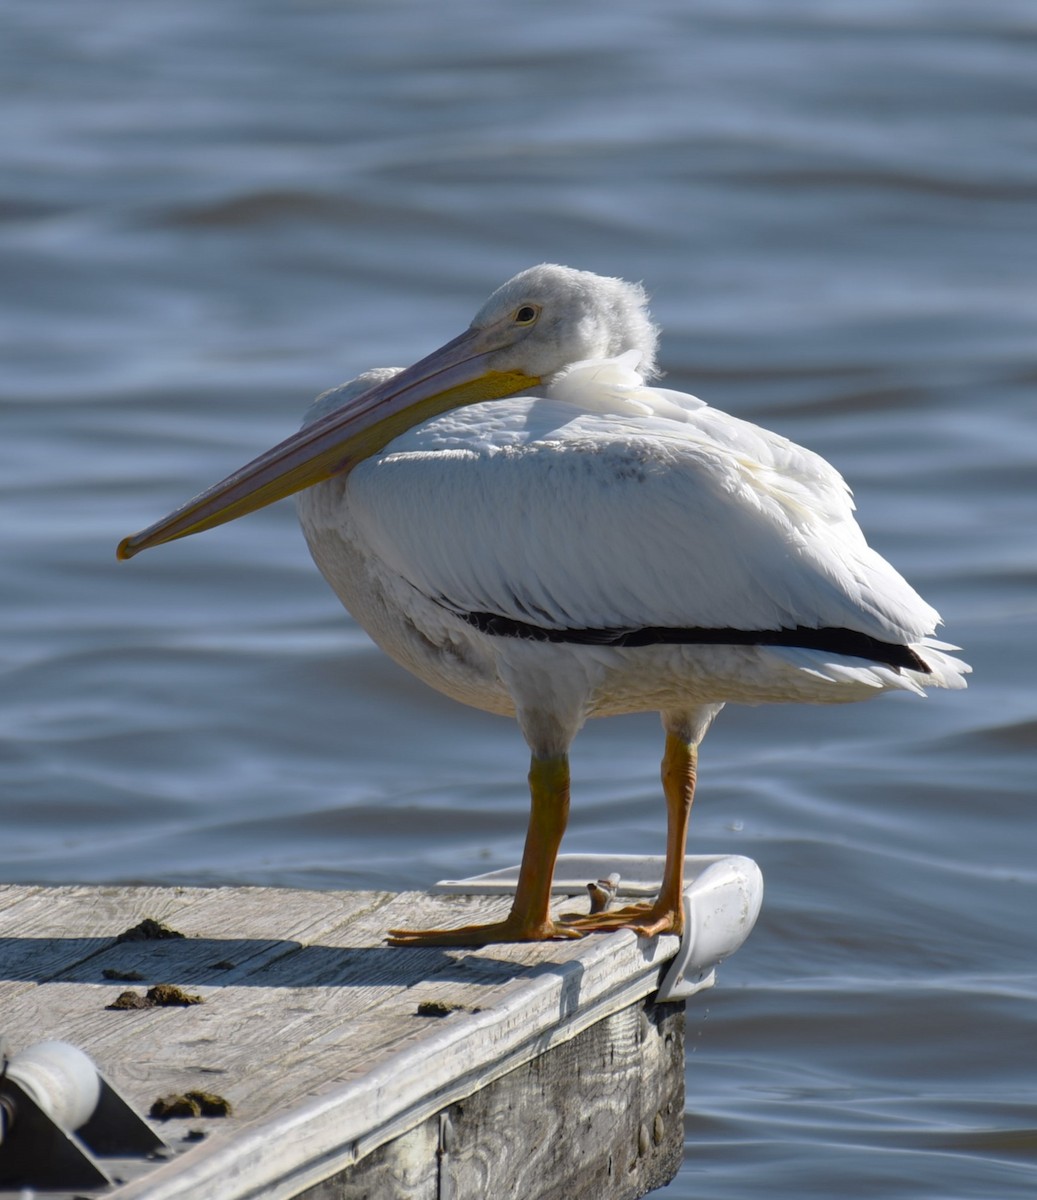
pixel 680 765
pixel 666 913
pixel 530 916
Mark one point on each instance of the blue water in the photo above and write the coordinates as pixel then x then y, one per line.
pixel 211 211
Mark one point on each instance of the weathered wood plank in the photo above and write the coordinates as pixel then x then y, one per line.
pixel 314 1032
pixel 45 931
pixel 319 992
pixel 599 1116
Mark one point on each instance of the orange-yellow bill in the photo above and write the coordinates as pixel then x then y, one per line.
pixel 457 374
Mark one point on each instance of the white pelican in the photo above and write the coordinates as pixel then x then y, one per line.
pixel 525 525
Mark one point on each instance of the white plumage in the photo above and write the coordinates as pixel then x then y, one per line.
pixel 595 547
pixel 584 512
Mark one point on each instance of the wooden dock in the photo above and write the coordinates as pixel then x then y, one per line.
pixel 355 1069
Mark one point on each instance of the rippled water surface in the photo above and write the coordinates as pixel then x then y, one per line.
pixel 211 211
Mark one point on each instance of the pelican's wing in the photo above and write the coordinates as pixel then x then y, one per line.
pixel 539 512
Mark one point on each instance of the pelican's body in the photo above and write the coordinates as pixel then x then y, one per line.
pixel 579 514
pixel 594 547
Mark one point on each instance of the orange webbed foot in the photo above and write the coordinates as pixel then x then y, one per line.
pixel 646 920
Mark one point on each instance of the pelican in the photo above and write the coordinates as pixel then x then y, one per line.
pixel 521 521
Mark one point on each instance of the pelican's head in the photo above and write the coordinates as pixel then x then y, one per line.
pixel 527 332
pixel 551 316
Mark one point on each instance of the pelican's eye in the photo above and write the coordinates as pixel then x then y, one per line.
pixel 526 314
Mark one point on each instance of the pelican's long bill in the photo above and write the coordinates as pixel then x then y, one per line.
pixel 456 374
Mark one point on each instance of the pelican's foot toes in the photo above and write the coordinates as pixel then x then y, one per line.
pixel 484 935
pixel 646 920
pixel 667 922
